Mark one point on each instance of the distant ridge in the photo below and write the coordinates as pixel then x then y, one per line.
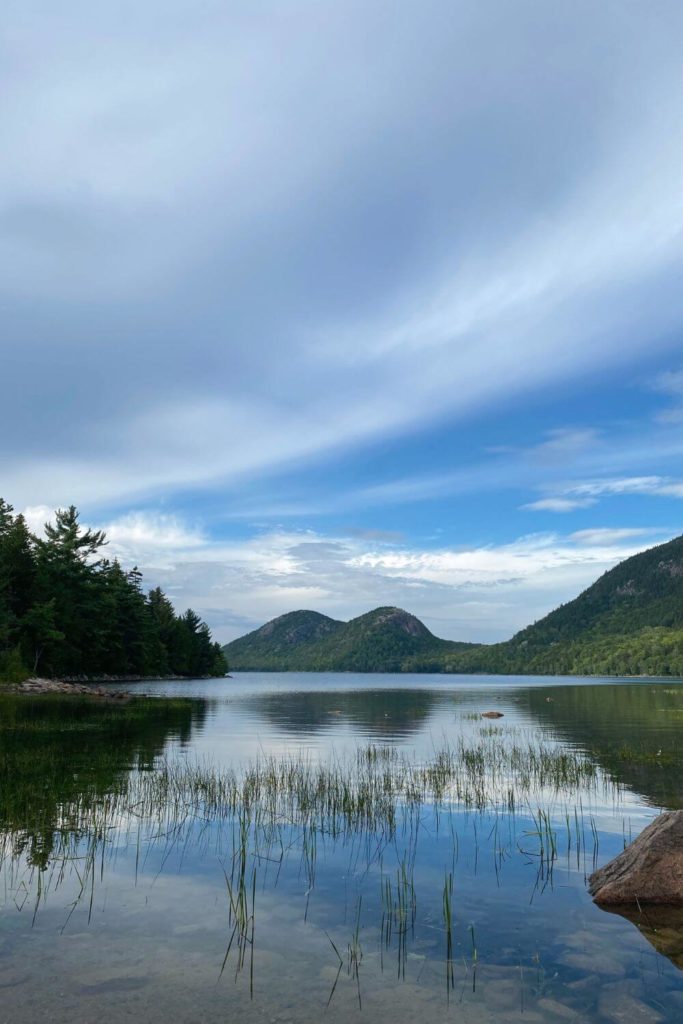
pixel 278 641
pixel 629 622
pixel 378 641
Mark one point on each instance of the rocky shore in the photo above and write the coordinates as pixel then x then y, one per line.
pixel 89 686
pixel 39 686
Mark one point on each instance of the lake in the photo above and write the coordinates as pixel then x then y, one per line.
pixel 286 847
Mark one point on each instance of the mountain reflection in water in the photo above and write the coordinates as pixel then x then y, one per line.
pixel 275 846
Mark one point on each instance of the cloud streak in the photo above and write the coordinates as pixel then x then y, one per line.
pixel 558 504
pixel 251 271
pixel 583 494
pixel 223 279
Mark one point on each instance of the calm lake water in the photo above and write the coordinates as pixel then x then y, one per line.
pixel 338 846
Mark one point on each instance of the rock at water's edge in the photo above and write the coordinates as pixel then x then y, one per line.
pixel 650 870
pixel 40 686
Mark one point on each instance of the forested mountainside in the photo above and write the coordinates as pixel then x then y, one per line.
pixel 280 641
pixel 379 641
pixel 67 611
pixel 629 622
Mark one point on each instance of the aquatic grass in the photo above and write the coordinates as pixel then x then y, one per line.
pixel 399 906
pixel 342 834
pixel 254 816
pixel 447 901
pixel 474 958
pixel 356 951
pixel 362 794
pixel 241 913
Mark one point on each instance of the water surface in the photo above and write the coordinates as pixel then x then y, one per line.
pixel 459 904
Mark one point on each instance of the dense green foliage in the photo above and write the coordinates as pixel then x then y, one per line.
pixel 379 641
pixel 280 641
pixel 650 652
pixel 67 611
pixel 629 622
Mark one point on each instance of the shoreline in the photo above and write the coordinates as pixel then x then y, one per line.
pixel 455 675
pixel 35 686
pixel 87 686
pixel 89 680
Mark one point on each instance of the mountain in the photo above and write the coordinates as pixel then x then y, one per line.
pixel 629 622
pixel 379 641
pixel 280 640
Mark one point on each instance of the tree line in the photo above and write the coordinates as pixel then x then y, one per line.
pixel 66 610
pixel 653 651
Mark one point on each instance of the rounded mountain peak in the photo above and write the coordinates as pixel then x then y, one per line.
pixel 393 618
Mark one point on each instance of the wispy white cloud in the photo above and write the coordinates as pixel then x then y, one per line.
pixel 627 485
pixel 37 516
pixel 558 504
pixel 583 494
pixel 670 382
pixel 606 535
pixel 155 535
pixel 207 280
pixel 256 295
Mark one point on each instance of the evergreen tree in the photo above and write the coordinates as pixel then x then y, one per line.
pixel 40 636
pixel 17 582
pixel 68 572
pixel 164 632
pixel 6 618
pixel 67 611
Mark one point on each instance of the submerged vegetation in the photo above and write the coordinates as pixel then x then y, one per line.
pixel 511 798
pixel 67 611
pixel 277 812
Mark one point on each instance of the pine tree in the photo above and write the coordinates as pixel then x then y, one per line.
pixel 69 574
pixel 17 582
pixel 65 610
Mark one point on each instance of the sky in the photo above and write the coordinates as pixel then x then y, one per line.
pixel 333 306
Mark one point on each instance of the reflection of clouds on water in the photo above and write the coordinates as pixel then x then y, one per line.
pixel 151 924
pixel 169 932
pixel 618 726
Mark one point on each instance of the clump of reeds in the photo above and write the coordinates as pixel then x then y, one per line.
pixel 254 815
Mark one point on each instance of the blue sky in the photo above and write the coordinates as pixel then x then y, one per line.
pixel 339 305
